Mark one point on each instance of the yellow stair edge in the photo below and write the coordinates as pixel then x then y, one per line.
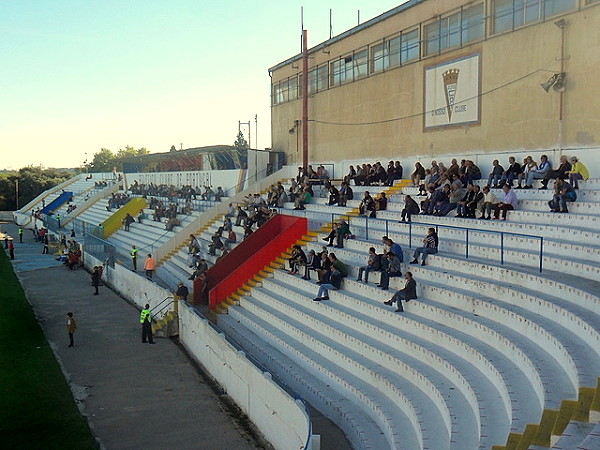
pixel 529 434
pixel 595 406
pixel 542 438
pixel 582 410
pixel 512 441
pixel 564 416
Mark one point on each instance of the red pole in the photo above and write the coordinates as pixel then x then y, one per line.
pixel 305 98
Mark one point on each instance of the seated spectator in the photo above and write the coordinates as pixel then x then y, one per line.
pixel 441 202
pixel 561 172
pixel 231 239
pixel 563 193
pixel 242 217
pixel 303 198
pixel 529 165
pixel 247 231
pixel 351 175
pixel 410 208
pixel 338 272
pixel 216 244
pixel 367 204
pixel 201 269
pixel 230 211
pixel 471 173
pixel 346 194
pixel 282 197
pixel 380 204
pixel 430 247
pixel 456 194
pixel 325 271
pixel 408 293
pixel 334 195
pixel 427 181
pixel 392 247
pixel 418 174
pixel 172 222
pixel 539 173
pixel 297 259
pixel 393 268
pixel 472 205
pixel 141 216
pixel 373 265
pixel 578 172
pixel 508 202
pixel 488 202
pixel 313 262
pixel 496 174
pixel 219 194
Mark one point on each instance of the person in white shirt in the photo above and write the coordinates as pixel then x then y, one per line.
pixel 539 173
pixel 508 202
pixel 489 201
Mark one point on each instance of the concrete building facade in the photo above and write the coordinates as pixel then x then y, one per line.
pixel 433 78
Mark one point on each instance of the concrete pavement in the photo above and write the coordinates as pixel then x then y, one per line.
pixel 135 395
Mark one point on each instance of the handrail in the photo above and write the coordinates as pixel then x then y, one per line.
pixel 160 303
pixel 49 192
pixel 437 227
pixel 97 196
pixel 151 245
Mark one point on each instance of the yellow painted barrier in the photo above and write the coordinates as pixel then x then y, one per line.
pixel 114 222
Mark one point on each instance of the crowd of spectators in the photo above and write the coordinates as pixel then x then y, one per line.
pixel 173 192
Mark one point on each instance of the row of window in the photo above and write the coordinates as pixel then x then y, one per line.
pixel 449 31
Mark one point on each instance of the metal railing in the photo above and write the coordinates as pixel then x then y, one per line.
pixel 100 249
pixel 164 306
pixel 383 225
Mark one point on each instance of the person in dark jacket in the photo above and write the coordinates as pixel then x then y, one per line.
pixel 96 279
pixel 411 207
pixel 409 292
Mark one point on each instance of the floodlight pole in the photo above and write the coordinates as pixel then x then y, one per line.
pixel 305 98
pixel 561 24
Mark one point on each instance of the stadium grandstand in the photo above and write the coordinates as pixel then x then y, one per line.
pixel 423 145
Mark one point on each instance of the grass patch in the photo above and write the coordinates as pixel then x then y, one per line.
pixel 37 410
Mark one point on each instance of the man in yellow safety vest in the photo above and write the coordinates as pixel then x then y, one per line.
pixel 146 321
pixel 133 254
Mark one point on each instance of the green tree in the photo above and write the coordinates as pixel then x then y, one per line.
pixel 103 161
pixel 240 142
pixel 129 152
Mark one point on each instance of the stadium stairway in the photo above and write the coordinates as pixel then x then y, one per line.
pixel 486 351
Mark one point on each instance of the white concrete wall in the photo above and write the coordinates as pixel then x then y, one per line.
pixel 133 286
pixel 227 179
pixel 283 421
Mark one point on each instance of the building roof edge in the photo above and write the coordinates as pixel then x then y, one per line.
pixel 369 23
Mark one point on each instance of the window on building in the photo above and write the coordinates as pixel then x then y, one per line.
pixel 473 26
pixel 285 90
pixel 409 49
pixel 379 57
pixel 342 70
pixel 510 14
pixel 552 7
pixel 360 64
pixel 293 88
pixel 454 30
pixel 318 79
pixel 395 51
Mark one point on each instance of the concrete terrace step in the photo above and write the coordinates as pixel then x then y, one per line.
pixel 451 403
pixel 428 337
pixel 360 429
pixel 397 417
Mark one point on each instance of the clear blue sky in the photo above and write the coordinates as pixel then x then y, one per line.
pixel 79 75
